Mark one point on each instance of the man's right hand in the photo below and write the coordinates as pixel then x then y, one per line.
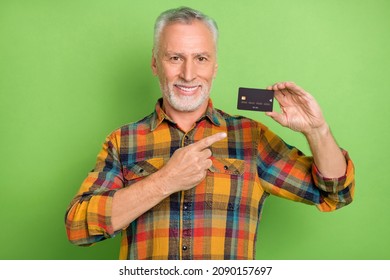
pixel 186 168
pixel 188 165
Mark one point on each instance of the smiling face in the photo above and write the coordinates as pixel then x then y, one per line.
pixel 186 64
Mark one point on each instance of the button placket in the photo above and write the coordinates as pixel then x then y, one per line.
pixel 187 220
pixel 186 140
pixel 187 228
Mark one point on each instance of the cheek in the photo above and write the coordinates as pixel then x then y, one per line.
pixel 169 74
pixel 207 73
pixel 208 76
pixel 162 76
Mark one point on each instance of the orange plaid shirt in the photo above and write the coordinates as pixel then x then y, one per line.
pixel 217 219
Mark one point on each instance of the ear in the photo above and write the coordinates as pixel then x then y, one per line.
pixel 154 65
pixel 215 70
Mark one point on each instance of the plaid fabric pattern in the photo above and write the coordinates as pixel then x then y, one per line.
pixel 217 219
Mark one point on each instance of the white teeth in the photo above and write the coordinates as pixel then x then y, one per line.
pixel 187 89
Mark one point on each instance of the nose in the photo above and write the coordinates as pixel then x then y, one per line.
pixel 188 71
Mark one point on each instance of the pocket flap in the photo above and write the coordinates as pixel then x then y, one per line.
pixel 230 166
pixel 142 168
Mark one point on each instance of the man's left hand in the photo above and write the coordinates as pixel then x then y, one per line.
pixel 299 110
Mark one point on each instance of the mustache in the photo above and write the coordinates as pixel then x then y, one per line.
pixel 187 84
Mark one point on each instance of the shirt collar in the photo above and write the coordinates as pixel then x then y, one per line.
pixel 159 115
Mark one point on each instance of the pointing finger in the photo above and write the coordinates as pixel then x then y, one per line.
pixel 210 140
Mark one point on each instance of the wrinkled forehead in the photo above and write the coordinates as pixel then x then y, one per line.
pixel 183 37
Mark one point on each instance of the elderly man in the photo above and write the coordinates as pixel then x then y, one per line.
pixel 189 181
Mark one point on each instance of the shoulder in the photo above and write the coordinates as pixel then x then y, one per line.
pixel 239 121
pixel 141 126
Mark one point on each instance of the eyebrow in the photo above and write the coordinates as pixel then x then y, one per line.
pixel 207 54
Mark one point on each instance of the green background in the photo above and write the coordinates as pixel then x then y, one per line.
pixel 73 71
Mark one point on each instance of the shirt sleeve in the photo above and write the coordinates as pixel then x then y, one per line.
pixel 88 217
pixel 286 172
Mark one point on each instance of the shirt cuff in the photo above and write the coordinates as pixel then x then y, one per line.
pixel 99 215
pixel 334 185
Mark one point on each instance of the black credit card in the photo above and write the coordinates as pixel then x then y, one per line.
pixel 255 99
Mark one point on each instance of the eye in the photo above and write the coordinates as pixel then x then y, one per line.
pixel 174 58
pixel 202 59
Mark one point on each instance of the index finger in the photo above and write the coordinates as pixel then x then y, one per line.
pixel 210 140
pixel 290 87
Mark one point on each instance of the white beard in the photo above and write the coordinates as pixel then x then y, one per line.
pixel 186 103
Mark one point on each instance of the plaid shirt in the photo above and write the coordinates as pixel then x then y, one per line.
pixel 217 219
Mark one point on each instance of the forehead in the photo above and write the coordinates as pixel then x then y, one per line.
pixel 183 37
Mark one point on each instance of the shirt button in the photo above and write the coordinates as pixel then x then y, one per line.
pixel 184 247
pixel 186 205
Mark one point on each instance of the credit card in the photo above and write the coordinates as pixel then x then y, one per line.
pixel 254 99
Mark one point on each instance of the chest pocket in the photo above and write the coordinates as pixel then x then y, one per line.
pixel 136 171
pixel 224 183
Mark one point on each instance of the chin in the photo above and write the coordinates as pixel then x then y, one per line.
pixel 185 103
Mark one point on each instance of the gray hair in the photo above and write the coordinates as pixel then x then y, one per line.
pixel 183 15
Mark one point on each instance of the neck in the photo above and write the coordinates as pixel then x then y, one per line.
pixel 185 120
